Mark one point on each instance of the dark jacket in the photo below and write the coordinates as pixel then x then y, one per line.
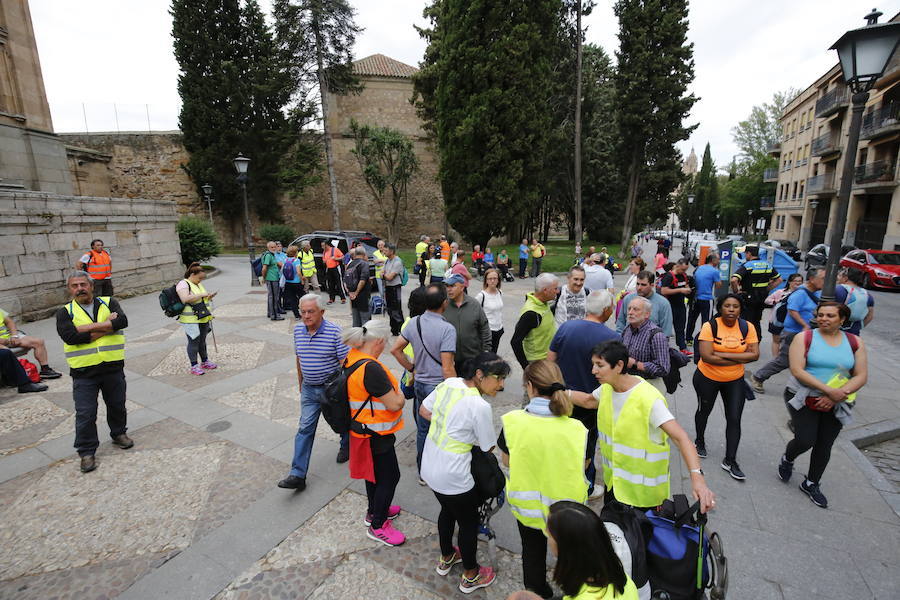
pixel 473 334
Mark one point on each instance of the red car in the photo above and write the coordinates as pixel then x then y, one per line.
pixel 881 268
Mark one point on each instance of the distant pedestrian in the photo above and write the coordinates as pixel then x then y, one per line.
pixel 11 338
pixel 754 280
pixel 379 258
pixel 523 259
pixel 707 279
pixel 537 256
pixel 503 263
pixel 419 268
pixel 293 287
pixel 91 330
pixel 662 257
pixel 478 259
pixel 828 368
pixel 536 325
pixel 444 248
pixel 98 264
pixel 319 351
pixel 489 261
pixel 454 253
pixel 332 256
pixel 637 249
pixel 776 299
pixel 308 269
pixel 356 279
pixel 674 287
pixel 850 291
pixel 280 258
pixel 459 268
pixel 392 274
pixel 491 300
pixel 437 269
pixel 572 297
pixel 596 275
pixel 634 267
pixel 196 317
pixel 271 274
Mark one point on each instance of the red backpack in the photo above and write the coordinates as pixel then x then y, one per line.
pixel 31 370
pixel 807 341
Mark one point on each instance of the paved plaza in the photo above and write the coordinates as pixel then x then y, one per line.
pixel 192 511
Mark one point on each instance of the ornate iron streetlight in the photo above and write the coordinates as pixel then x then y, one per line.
pixel 207 195
pixel 241 163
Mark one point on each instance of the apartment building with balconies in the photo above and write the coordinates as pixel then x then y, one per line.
pixel 811 155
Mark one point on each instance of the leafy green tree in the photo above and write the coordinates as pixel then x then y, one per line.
pixel 761 127
pixel 317 37
pixel 655 67
pixel 278 232
pixel 483 90
pixel 198 240
pixel 232 86
pixel 388 161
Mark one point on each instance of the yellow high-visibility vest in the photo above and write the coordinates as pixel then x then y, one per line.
pixel 109 348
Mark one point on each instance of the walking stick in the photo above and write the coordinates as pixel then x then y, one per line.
pixel 213 332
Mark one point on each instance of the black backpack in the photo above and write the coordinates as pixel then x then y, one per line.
pixel 629 531
pixel 677 359
pixel 170 303
pixel 714 325
pixel 489 479
pixel 336 408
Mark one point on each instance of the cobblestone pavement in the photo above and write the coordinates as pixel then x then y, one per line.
pixel 192 510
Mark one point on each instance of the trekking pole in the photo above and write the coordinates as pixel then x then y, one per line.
pixel 215 344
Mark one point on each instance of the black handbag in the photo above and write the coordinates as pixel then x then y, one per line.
pixel 489 479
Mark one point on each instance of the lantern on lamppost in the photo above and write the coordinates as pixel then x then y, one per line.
pixel 241 164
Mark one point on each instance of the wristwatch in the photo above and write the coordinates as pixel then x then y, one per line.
pixel 697 471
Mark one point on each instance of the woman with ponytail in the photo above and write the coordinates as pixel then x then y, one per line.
pixel 544 450
pixel 195 317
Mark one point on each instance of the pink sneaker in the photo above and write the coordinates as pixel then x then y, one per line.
pixel 209 365
pixel 197 370
pixel 393 513
pixel 387 535
pixel 485 577
pixel 443 567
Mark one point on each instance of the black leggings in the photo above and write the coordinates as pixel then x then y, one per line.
pixel 198 345
pixel 812 429
pixel 462 509
pixel 495 339
pixel 381 493
pixel 732 396
pixel 534 561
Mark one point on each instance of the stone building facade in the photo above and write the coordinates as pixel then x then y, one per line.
pixel 150 165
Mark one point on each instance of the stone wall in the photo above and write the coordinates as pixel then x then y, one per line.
pixel 42 236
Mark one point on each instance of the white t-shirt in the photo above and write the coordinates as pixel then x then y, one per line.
pixel 597 277
pixel 659 414
pixel 492 304
pixel 471 422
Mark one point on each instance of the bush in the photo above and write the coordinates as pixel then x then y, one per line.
pixel 198 240
pixel 277 233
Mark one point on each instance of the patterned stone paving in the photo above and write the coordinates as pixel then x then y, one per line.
pixel 109 527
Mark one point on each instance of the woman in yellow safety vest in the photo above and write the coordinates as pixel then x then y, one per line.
pixel 634 426
pixel 461 418
pixel 529 439
pixel 195 317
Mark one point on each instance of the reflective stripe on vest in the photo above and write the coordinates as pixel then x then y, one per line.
pixel 633 465
pixel 379 268
pixel 307 263
pixel 537 343
pixel 187 315
pixel 446 398
pixel 109 348
pixel 99 265
pixel 375 416
pixel 536 481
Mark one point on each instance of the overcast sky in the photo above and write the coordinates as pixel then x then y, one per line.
pixel 112 59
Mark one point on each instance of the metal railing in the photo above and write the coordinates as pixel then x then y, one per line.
pixel 787 166
pixel 820 183
pixel 824 144
pixel 879 171
pixel 879 119
pixel 773 147
pixel 766 203
pixel 770 174
pixel 833 99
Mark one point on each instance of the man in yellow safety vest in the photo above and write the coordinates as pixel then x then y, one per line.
pixel 90 327
pixel 308 271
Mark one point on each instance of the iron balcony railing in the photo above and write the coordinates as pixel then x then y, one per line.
pixel 787 166
pixel 773 148
pixel 820 183
pixel 824 144
pixel 832 100
pixel 770 174
pixel 767 203
pixel 881 119
pixel 880 171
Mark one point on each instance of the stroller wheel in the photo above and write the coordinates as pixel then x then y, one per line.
pixel 718 581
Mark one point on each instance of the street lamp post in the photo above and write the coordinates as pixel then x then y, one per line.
pixel 207 195
pixel 750 229
pixel 241 163
pixel 687 235
pixel 864 54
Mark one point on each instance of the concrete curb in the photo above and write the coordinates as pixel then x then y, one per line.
pixel 869 435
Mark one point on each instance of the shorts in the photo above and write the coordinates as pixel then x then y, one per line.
pixel 775 329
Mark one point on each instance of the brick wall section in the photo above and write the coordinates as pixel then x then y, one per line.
pixel 43 235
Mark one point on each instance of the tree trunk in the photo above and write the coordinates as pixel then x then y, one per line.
pixel 630 201
pixel 323 99
pixel 578 227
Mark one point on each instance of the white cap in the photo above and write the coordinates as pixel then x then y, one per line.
pixel 334 243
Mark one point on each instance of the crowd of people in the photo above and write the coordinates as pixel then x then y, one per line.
pixel 595 397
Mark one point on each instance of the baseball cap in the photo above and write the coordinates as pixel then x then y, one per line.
pixel 455 278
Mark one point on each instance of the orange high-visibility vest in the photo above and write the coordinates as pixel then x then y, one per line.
pixel 99 265
pixel 375 416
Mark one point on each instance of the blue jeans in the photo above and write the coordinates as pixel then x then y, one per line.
pixel 311 398
pixel 422 391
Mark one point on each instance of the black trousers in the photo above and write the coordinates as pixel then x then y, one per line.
pixel 103 287
pixel 495 339
pixel 816 430
pixel 381 493
pixel 11 371
pixel 333 281
pixel 423 272
pixel 85 391
pixel 273 299
pixel 461 509
pixel 291 297
pixel 679 319
pixel 699 308
pixel 394 307
pixel 534 561
pixel 198 344
pixel 752 313
pixel 733 397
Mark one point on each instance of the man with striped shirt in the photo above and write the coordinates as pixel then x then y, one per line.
pixel 319 349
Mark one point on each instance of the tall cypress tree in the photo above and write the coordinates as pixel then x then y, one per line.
pixel 655 67
pixel 483 90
